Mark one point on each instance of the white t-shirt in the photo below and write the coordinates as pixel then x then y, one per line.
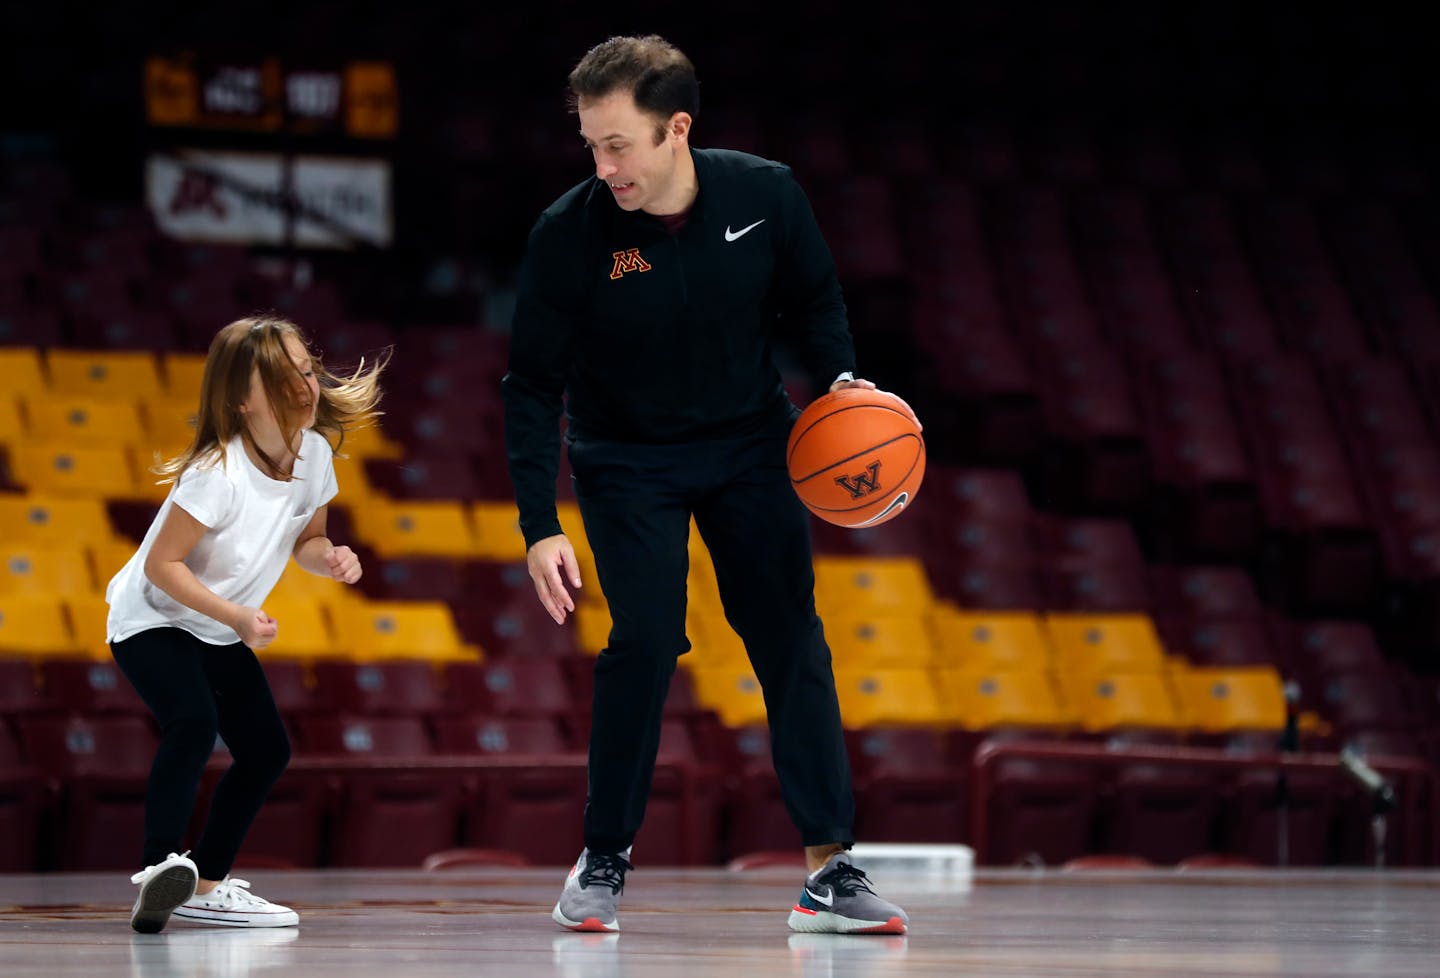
pixel 253 522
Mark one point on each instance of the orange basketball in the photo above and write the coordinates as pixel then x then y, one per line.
pixel 856 459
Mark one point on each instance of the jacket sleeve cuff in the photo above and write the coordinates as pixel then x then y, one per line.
pixel 535 532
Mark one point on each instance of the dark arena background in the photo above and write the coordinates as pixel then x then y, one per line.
pixel 1146 678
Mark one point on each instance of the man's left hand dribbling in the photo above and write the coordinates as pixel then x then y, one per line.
pixel 869 385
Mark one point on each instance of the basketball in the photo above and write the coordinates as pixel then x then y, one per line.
pixel 855 458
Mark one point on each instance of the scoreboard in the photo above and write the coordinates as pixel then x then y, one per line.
pixel 356 99
pixel 295 154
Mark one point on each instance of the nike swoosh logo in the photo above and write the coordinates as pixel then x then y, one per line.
pixel 827 900
pixel 897 503
pixel 736 235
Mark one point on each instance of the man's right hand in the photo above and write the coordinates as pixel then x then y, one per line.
pixel 552 563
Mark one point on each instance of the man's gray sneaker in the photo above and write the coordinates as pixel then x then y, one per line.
pixel 592 892
pixel 837 899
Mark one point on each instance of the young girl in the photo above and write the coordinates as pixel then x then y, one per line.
pixel 187 610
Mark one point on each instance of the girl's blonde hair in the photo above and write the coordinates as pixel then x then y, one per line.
pixel 345 403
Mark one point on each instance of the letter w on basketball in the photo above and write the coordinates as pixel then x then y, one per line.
pixel 863 483
pixel 838 448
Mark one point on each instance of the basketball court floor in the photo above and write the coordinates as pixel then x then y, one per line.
pixel 717 922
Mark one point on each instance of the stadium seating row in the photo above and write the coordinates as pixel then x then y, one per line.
pixel 373 791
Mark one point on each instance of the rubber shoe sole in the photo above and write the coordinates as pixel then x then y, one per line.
pixel 237 918
pixel 160 896
pixel 823 922
pixel 589 924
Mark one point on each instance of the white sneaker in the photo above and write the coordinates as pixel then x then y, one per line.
pixel 163 887
pixel 231 904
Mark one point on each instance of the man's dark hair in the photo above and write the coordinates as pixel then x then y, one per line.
pixel 653 70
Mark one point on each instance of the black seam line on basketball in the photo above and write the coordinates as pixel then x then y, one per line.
pixel 853 407
pixel 839 462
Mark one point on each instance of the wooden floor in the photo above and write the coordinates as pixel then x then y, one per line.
pixel 699 923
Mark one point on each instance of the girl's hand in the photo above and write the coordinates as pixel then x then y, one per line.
pixel 255 628
pixel 344 565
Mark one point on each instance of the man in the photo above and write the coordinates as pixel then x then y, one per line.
pixel 651 295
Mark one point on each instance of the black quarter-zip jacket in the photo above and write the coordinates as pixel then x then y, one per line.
pixel 648 337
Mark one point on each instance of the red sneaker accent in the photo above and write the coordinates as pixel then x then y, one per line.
pixel 804 910
pixel 892 926
pixel 591 924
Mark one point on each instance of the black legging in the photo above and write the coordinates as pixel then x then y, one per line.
pixel 636 502
pixel 197 690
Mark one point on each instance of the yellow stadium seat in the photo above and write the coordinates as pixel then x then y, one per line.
pixel 401 630
pixel 871 586
pixel 88 614
pixel 103 373
pixel 22 372
pixel 296 583
pixel 354 483
pixel 699 551
pixel 371 441
pixel 35 625
pixel 713 643
pixel 700 583
pixel 12 423
pixel 304 628
pixel 1222 700
pixel 572 523
pixel 37 518
pixel 418 528
pixel 990 640
pixel 734 694
pixel 1122 700
pixel 148 486
pixel 72 419
pixel 497 530
pixel 703 591
pixel 888 642
pixel 887 697
pixel 106 558
pixel 986 699
pixel 85 470
pixel 590 593
pixel 183 375
pixel 167 424
pixel 39 568
pixel 1091 643
pixel 592 627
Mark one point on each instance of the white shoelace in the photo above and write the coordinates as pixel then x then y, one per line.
pixel 234 894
